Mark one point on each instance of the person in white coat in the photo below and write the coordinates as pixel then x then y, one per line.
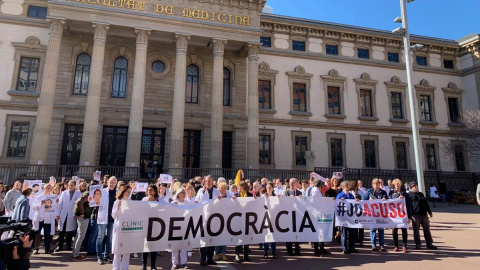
pixel 105 221
pixel 179 198
pixel 120 261
pixel 207 192
pixel 67 224
pixel 319 248
pixel 45 211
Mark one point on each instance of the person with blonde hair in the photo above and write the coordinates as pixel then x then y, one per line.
pixel 180 198
pixel 190 193
pixel 399 192
pixel 220 251
pixel 376 193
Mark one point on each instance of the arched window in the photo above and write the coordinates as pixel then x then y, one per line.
pixel 226 87
pixel 82 72
pixel 119 85
pixel 191 95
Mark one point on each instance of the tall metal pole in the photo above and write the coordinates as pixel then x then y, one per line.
pixel 411 99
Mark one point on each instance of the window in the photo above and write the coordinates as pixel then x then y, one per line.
pixel 120 71
pixel 401 153
pixel 264 94
pixel 265 152
pixel 366 103
pixel 226 87
pixel 369 152
pixel 331 49
pixel 192 84
pixel 82 72
pixel 334 100
pixel 363 53
pixel 453 110
pixel 397 106
pixel 298 45
pixel 17 143
pixel 431 156
pixel 421 60
pixel 299 97
pixel 459 157
pixel 266 41
pixel 37 12
pixel 393 57
pixel 158 66
pixel 301 147
pixel 426 109
pixel 28 74
pixel 448 64
pixel 336 152
pixel 72 144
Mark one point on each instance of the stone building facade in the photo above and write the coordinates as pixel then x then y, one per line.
pixel 172 84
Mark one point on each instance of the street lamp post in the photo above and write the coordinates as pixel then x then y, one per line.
pixel 411 95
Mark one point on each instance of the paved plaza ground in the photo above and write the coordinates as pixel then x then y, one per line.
pixel 455 229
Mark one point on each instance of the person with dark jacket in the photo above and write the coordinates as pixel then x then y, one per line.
pixel 292 192
pixel 442 190
pixel 82 211
pixel 420 212
pixel 395 193
pixel 376 193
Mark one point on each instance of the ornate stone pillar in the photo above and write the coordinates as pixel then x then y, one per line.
pixel 92 110
pixel 43 122
pixel 217 104
pixel 135 124
pixel 252 127
pixel 178 112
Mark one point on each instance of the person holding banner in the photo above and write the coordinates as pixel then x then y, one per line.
pixel 207 192
pixel 243 193
pixel 190 193
pixel 68 224
pixel 376 193
pixel 348 234
pixel 398 192
pixel 269 193
pixel 120 261
pixel 220 251
pixel 292 192
pixel 179 198
pixel 316 191
pixel 152 196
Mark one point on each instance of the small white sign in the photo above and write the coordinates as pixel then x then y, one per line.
pixel 132 164
pixel 95 193
pixel 52 181
pixel 165 179
pixel 97 175
pixel 77 180
pixel 87 163
pixel 35 185
pixel 39 162
pixel 141 187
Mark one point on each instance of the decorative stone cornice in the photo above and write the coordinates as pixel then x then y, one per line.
pixel 31 43
pixel 218 46
pixel 264 69
pixel 333 76
pixel 395 82
pixel 365 79
pixel 452 89
pixel 252 48
pixel 299 72
pixel 424 86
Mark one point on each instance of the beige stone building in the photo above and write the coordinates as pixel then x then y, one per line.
pixel 171 84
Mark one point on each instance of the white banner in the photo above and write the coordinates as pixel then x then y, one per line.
pixel 150 226
pixel 371 214
pixel 165 179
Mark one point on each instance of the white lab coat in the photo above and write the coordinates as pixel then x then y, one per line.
pixel 40 214
pixel 204 196
pixel 316 192
pixel 65 206
pixel 103 208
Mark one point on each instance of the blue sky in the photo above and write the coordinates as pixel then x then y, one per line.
pixel 450 19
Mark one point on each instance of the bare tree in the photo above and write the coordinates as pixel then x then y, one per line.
pixel 467 133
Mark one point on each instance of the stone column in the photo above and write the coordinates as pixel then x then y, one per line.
pixel 135 124
pixel 92 110
pixel 178 112
pixel 217 104
pixel 43 122
pixel 252 127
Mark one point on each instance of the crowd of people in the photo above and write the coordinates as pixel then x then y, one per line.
pixel 65 209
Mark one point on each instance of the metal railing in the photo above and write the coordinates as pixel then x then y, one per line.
pixel 9 173
pixel 454 180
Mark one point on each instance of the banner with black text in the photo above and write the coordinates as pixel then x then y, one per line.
pixel 371 214
pixel 150 226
